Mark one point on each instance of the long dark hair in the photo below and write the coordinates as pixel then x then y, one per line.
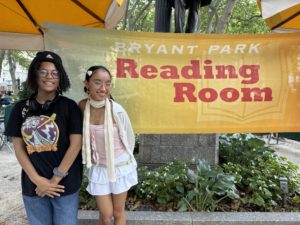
pixel 64 82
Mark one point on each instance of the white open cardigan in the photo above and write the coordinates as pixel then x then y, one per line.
pixel 125 131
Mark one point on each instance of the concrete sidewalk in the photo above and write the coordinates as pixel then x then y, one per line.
pixel 11 204
pixel 286 147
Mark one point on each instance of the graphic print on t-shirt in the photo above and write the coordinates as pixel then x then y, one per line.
pixel 40 133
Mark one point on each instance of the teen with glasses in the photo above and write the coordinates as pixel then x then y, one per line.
pixel 107 151
pixel 46 131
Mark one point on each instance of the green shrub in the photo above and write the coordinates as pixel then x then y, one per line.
pixel 248 170
pixel 164 184
pixel 257 169
pixel 209 188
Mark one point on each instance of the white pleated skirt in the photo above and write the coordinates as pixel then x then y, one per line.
pixel 126 175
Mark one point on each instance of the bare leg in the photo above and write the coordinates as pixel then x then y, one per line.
pixel 105 206
pixel 119 208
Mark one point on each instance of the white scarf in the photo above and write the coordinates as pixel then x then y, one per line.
pixel 108 136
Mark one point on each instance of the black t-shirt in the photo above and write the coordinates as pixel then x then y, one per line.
pixel 46 135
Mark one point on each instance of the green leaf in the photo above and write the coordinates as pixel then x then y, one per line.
pixel 258 200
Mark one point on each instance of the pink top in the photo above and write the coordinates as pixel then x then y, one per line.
pixel 97 143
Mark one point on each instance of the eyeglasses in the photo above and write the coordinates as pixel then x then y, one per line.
pixel 100 83
pixel 44 73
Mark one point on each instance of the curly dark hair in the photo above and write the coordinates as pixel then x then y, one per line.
pixel 64 82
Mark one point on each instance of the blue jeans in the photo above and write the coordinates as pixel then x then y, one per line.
pixel 52 211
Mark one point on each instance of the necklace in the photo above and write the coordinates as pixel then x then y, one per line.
pixel 97 104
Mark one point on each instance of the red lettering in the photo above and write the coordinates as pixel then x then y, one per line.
pixel 184 89
pixel 253 75
pixel 221 72
pixel 256 93
pixel 169 73
pixel 208 95
pixel 194 70
pixel 234 94
pixel 208 70
pixel 128 65
pixel 148 70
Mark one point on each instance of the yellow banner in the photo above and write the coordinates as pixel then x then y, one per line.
pixel 191 83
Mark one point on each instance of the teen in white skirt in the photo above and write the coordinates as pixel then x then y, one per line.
pixel 107 151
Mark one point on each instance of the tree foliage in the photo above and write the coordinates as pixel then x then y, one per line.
pixel 139 16
pixel 246 19
pixel 12 58
pixel 2 55
pixel 222 16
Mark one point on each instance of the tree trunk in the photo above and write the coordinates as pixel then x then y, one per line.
pixel 140 14
pixel 224 20
pixel 2 54
pixel 129 21
pixel 12 70
pixel 212 12
pixel 126 16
